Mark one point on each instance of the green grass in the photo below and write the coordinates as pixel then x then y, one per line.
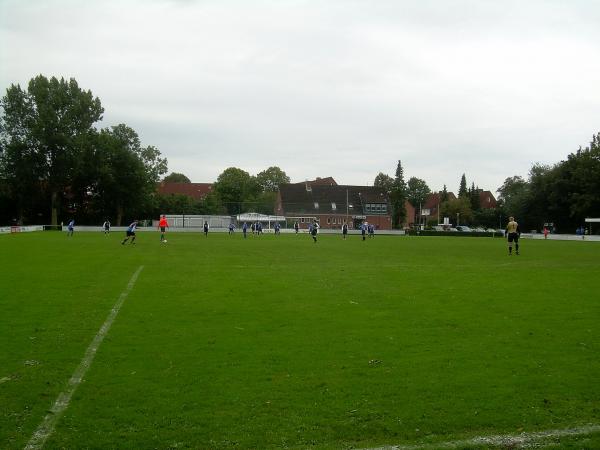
pixel 277 342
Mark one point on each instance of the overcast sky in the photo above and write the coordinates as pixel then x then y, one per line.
pixel 327 88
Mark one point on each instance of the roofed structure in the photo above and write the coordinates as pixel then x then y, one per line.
pixel 195 190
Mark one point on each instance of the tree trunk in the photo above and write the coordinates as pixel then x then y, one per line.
pixel 54 208
pixel 119 215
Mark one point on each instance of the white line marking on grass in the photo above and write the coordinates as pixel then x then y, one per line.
pixel 46 428
pixel 507 440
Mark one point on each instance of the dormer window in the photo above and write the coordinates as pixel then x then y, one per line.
pixel 333 206
pixel 316 205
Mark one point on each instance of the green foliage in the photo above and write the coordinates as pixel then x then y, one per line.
pixel 462 190
pixel 53 153
pixel 175 177
pixel 384 182
pixel 235 187
pixel 398 198
pixel 270 179
pixel 458 210
pixel 444 194
pixel 417 191
pixel 43 131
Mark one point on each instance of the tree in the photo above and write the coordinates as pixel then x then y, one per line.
pixel 458 210
pixel 462 190
pixel 398 198
pixel 43 131
pixel 473 195
pixel 384 182
pixel 175 177
pixel 234 187
pixel 417 191
pixel 444 195
pixel 270 179
pixel 127 173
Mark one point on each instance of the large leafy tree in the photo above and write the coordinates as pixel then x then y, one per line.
pixel 384 182
pixel 44 130
pixel 175 177
pixel 127 173
pixel 236 187
pixel 398 197
pixel 270 179
pixel 417 191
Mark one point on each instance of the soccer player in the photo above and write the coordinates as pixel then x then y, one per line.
pixel 162 226
pixel 345 230
pixel 130 233
pixel 296 226
pixel 513 232
pixel 205 227
pixel 277 228
pixel 371 230
pixel 245 229
pixel 231 227
pixel 363 230
pixel 314 230
pixel 106 226
pixel 71 227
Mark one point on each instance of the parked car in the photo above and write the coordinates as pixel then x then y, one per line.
pixel 452 229
pixel 480 230
pixel 463 228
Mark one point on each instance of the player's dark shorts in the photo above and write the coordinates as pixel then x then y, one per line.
pixel 130 233
pixel 162 229
pixel 345 231
pixel 513 237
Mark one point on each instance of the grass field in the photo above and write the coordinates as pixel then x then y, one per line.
pixel 276 342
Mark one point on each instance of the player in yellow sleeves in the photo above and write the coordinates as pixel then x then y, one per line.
pixel 513 232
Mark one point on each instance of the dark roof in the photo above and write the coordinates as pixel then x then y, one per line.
pixel 195 190
pixel 297 198
pixel 327 181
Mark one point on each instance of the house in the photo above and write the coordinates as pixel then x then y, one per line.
pixel 433 202
pixel 487 200
pixel 195 190
pixel 332 204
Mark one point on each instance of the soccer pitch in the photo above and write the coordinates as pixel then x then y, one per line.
pixel 273 341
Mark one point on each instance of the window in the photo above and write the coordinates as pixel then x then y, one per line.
pixel 316 205
pixel 302 220
pixel 384 208
pixel 333 206
pixel 329 220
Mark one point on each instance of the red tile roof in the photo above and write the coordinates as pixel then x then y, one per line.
pixel 195 190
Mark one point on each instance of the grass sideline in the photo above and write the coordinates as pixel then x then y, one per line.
pixel 278 342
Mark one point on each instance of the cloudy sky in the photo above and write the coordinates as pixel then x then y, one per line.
pixel 327 88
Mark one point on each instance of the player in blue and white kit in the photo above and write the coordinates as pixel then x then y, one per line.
pixel 130 233
pixel 277 228
pixel 231 228
pixel 371 230
pixel 245 229
pixel 71 227
pixel 363 230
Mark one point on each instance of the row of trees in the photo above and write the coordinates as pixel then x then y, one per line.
pixel 234 192
pixel 55 164
pixel 563 194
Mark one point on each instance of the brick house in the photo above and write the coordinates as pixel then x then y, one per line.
pixel 332 204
